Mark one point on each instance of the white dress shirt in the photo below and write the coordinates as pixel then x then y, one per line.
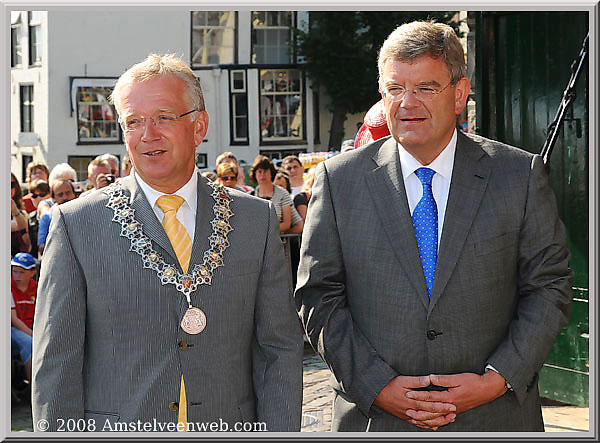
pixel 440 184
pixel 186 213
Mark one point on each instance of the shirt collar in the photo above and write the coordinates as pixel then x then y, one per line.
pixel 188 191
pixel 442 164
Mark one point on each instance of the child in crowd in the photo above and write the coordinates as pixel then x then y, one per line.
pixel 24 293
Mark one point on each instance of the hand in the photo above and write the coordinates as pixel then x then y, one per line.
pixel 393 399
pixel 101 181
pixel 466 391
pixel 14 210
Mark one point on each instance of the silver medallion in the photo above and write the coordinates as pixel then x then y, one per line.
pixel 194 321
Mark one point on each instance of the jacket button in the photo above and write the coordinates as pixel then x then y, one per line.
pixel 431 334
pixel 174 406
pixel 182 345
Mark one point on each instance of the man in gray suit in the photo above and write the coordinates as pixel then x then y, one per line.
pixel 160 317
pixel 434 275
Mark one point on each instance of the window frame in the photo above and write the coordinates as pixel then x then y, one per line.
pixel 201 160
pixel 253 38
pixel 82 156
pixel 25 160
pixel 93 82
pixel 194 65
pixel 284 140
pixel 232 108
pixel 23 106
pixel 16 44
pixel 34 27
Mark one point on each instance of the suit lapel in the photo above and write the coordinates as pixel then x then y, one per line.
pixel 146 216
pixel 204 215
pixel 386 185
pixel 469 180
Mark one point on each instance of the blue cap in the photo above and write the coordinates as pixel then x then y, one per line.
pixel 24 260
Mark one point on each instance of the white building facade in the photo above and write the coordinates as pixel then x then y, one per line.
pixel 65 63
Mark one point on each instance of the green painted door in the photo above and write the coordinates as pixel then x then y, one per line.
pixel 523 62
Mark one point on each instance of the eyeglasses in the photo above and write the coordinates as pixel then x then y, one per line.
pixel 34 195
pixel 162 120
pixel 422 93
pixel 228 179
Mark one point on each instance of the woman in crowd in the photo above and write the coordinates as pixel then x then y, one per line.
pixel 35 171
pixel 40 191
pixel 228 157
pixel 62 171
pixel 62 192
pixel 301 200
pixel 19 233
pixel 263 172
pixel 283 179
pixel 227 172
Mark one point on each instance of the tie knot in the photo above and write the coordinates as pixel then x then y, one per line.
pixel 425 175
pixel 169 202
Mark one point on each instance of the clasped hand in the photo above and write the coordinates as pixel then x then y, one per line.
pixel 433 409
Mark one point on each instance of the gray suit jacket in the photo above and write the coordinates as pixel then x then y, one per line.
pixel 501 291
pixel 107 338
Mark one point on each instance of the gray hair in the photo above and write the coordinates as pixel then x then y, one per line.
pixel 62 171
pixel 110 158
pixel 161 65
pixel 425 38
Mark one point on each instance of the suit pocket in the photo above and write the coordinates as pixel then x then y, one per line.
pixel 102 421
pixel 495 244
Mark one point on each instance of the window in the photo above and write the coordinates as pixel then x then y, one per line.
pixel 271 37
pixel 35 38
pixel 16 54
pixel 26 93
pixel 281 105
pixel 96 118
pixel 80 164
pixel 25 160
pixel 202 161
pixel 239 107
pixel 213 37
pixel 281 154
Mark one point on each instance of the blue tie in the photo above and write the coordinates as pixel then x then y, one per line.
pixel 425 222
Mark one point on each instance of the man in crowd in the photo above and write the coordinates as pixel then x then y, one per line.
pixel 295 170
pixel 22 308
pixel 113 163
pixel 172 306
pixel 126 166
pixel 434 272
pixel 98 170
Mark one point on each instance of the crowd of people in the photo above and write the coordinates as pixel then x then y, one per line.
pixel 31 214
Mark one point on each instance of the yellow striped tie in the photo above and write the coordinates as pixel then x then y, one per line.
pixel 182 245
pixel 179 237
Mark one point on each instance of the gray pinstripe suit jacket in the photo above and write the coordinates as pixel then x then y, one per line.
pixel 501 291
pixel 106 331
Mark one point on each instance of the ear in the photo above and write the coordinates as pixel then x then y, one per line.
pixel 461 94
pixel 200 127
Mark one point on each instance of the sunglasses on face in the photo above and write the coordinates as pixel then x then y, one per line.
pixel 228 179
pixel 34 195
